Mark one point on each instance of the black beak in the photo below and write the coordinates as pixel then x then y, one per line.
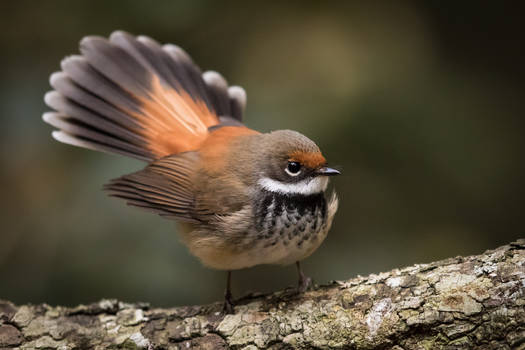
pixel 325 171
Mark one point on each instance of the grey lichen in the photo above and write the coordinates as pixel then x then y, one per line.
pixel 461 303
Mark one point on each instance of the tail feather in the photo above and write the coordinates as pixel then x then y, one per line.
pixel 132 96
pixel 89 126
pixel 106 142
pixel 64 137
pixel 144 52
pixel 188 73
pixel 89 108
pixel 85 76
pixel 218 89
pixel 116 64
pixel 237 97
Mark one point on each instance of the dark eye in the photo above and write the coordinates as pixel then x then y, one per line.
pixel 293 168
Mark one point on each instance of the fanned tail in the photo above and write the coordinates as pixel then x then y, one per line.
pixel 131 96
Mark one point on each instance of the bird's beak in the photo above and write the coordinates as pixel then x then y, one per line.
pixel 325 171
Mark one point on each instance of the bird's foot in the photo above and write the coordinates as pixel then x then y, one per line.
pixel 227 307
pixel 305 283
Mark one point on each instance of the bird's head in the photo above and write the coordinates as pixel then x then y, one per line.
pixel 291 163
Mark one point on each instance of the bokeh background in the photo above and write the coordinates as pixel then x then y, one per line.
pixel 421 104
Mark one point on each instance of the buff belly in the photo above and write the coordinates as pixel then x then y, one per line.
pixel 283 239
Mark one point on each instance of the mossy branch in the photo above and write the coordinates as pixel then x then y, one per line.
pixel 474 302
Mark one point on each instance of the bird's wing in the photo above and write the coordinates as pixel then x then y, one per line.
pixel 190 186
pixel 165 187
pixel 129 95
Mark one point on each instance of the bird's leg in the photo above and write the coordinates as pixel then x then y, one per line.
pixel 228 302
pixel 304 282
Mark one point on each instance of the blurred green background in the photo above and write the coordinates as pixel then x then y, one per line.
pixel 419 103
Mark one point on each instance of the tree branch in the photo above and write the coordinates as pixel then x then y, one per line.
pixel 475 302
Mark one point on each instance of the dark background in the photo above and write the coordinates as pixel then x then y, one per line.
pixel 419 103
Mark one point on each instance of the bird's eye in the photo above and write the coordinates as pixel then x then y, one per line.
pixel 293 168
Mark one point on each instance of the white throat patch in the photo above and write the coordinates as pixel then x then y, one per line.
pixel 306 187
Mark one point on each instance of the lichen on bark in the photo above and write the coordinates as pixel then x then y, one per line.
pixel 475 302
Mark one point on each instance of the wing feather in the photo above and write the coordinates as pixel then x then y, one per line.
pixel 164 187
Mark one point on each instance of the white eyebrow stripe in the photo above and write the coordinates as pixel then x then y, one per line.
pixel 305 187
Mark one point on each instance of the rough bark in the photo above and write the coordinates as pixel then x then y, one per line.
pixel 474 302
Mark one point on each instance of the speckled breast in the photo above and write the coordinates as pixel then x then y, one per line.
pixel 289 219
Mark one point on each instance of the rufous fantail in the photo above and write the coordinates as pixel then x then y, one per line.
pixel 242 198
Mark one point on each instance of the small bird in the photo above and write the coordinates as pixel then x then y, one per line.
pixel 242 198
